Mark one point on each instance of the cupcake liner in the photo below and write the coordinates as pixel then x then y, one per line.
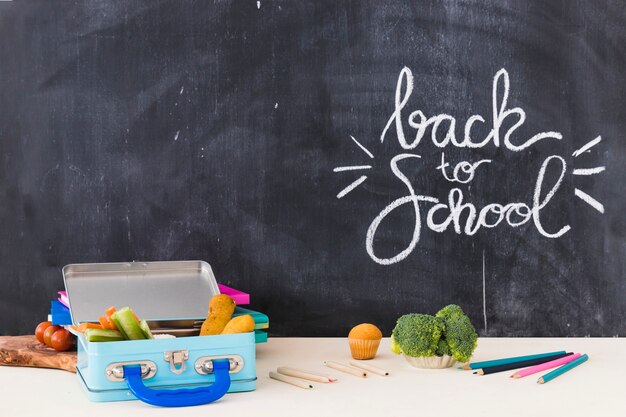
pixel 363 348
pixel 431 362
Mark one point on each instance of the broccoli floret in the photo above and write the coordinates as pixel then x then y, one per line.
pixel 450 333
pixel 394 346
pixel 417 334
pixel 449 311
pixel 461 337
pixel 443 348
pixel 459 333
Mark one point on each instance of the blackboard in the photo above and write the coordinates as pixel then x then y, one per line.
pixel 221 131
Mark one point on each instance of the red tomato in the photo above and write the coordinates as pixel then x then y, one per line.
pixel 41 327
pixel 61 340
pixel 47 334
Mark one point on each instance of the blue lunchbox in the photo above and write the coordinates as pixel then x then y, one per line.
pixel 166 371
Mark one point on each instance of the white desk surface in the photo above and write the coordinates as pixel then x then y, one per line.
pixel 595 388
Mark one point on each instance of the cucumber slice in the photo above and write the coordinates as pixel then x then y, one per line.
pixel 127 324
pixel 103 335
pixel 117 323
pixel 143 325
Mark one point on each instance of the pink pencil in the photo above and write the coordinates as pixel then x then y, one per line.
pixel 544 366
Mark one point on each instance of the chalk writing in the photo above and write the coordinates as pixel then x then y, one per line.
pixel 464 166
pixel 500 114
pixel 456 214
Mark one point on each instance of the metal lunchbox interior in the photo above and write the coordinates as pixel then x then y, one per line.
pixel 173 290
pixel 173 297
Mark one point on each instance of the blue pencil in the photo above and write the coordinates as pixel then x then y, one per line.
pixel 505 361
pixel 559 371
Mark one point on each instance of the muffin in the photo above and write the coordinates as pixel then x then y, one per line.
pixel 364 340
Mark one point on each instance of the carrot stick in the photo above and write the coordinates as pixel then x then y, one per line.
pixel 84 326
pixel 109 311
pixel 112 325
pixel 106 323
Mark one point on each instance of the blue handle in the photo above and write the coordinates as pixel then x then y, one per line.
pixel 179 397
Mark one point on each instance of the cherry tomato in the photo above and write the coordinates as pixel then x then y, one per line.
pixel 41 327
pixel 61 340
pixel 47 334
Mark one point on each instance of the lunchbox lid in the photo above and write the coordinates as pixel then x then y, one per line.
pixel 154 290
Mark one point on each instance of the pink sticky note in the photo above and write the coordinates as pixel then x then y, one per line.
pixel 240 298
pixel 547 365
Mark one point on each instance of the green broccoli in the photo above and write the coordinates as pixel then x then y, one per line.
pixel 394 346
pixel 459 334
pixel 449 311
pixel 417 335
pixel 450 333
pixel 443 348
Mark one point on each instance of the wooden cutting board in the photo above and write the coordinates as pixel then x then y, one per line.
pixel 27 351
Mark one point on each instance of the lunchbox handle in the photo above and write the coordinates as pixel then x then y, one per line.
pixel 179 397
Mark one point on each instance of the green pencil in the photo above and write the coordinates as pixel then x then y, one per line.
pixel 559 371
pixel 505 361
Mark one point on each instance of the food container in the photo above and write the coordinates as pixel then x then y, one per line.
pixel 430 362
pixel 173 297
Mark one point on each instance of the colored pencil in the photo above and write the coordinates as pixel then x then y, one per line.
pixel 299 373
pixel 289 380
pixel 544 366
pixel 560 371
pixel 503 361
pixel 516 365
pixel 370 368
pixel 345 368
